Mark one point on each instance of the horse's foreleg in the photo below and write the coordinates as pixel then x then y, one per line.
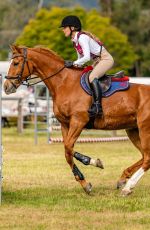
pixel 77 173
pixel 70 136
pixel 88 160
pixel 133 135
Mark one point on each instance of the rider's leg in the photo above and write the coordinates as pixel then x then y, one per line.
pixel 99 70
pixel 96 108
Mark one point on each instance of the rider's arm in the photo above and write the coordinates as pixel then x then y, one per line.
pixel 84 42
pixel 79 56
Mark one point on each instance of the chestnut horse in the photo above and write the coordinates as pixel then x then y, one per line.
pixel 129 110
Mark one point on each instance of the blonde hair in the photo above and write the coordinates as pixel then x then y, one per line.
pixel 94 37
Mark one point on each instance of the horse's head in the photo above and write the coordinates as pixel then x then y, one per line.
pixel 20 69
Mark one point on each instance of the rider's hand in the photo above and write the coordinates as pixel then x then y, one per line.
pixel 68 64
pixel 78 66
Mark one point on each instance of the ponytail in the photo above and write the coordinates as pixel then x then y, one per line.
pixel 94 37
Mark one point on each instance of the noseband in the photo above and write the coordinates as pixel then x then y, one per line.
pixel 19 76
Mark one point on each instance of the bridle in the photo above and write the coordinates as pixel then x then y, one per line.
pixel 18 77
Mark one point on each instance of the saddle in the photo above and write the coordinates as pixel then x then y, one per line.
pixel 109 83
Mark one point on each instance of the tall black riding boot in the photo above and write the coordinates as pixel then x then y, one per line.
pixel 96 108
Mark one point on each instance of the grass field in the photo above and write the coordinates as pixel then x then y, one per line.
pixel 39 190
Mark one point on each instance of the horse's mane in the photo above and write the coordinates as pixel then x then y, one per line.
pixel 46 51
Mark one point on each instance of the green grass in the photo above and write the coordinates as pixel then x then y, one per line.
pixel 39 190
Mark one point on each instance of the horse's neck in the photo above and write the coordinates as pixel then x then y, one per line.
pixel 63 82
pixel 45 66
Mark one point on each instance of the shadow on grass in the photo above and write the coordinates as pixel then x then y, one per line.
pixel 35 196
pixel 102 198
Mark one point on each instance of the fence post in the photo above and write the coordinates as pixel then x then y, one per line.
pixel 20 116
pixel 1 162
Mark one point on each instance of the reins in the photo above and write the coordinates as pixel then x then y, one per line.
pixel 29 78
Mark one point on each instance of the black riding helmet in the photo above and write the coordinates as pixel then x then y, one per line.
pixel 71 20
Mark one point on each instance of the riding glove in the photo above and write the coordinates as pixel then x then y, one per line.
pixel 68 64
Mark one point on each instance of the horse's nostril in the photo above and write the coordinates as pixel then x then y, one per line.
pixel 5 88
pixel 9 88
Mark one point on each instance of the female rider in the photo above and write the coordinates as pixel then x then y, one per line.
pixel 88 48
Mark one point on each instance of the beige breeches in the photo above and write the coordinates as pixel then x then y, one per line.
pixel 104 64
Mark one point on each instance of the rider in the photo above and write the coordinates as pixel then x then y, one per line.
pixel 88 48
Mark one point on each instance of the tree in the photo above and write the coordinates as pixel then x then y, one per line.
pixel 14 15
pixel 44 30
pixel 133 18
pixel 107 7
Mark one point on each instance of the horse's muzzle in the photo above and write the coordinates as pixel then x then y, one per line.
pixel 9 87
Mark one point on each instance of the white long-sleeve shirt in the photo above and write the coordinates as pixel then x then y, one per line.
pixel 88 45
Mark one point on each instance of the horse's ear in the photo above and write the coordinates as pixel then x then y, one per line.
pixel 14 48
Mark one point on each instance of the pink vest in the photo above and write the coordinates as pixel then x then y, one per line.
pixel 79 48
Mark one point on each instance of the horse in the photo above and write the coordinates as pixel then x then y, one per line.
pixel 128 110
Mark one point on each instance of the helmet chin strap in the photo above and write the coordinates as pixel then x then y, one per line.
pixel 71 31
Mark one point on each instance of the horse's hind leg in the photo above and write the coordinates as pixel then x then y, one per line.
pixel 133 135
pixel 144 133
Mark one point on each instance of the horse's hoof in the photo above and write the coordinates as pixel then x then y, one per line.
pixel 88 188
pixel 99 164
pixel 126 192
pixel 121 183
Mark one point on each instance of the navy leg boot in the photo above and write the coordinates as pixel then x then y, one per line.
pixel 96 108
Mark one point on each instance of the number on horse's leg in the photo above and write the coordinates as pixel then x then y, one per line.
pixel 88 161
pixel 133 135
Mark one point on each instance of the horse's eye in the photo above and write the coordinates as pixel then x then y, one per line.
pixel 15 63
